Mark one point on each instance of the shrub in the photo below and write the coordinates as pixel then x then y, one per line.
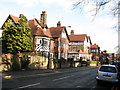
pixel 25 61
pixel 15 63
pixel 56 62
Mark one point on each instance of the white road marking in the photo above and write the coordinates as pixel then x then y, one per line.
pixel 94 87
pixel 78 86
pixel 26 86
pixel 62 78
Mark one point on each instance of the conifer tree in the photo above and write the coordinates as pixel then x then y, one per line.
pixel 16 37
pixel 25 38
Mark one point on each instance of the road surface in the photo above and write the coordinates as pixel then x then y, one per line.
pixel 83 78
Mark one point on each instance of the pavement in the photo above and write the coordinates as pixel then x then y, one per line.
pixel 41 72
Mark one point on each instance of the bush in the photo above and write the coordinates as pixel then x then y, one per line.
pixel 56 62
pixel 15 63
pixel 93 62
pixel 25 61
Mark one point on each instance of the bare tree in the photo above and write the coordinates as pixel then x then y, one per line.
pixel 114 6
pixel 98 4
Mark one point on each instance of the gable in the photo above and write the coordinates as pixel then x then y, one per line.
pixel 13 19
pixel 77 37
pixel 41 32
pixel 37 29
pixel 64 35
pixel 95 46
pixel 58 32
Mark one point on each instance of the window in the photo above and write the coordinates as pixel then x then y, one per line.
pixel 63 35
pixel 76 43
pixel 40 41
pixel 45 43
pixel 93 50
pixel 108 69
pixel 56 44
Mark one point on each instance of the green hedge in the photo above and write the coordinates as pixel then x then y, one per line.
pixel 93 62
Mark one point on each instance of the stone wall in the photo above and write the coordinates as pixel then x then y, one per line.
pixel 38 62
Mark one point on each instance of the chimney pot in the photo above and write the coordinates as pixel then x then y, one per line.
pixel 43 18
pixel 21 15
pixel 43 11
pixel 58 24
pixel 72 32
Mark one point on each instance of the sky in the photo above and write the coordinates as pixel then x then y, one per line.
pixel 100 28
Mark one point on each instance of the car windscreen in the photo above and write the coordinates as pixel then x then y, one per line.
pixel 108 69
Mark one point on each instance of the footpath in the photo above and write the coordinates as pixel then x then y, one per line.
pixel 41 72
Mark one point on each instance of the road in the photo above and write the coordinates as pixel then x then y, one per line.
pixel 79 78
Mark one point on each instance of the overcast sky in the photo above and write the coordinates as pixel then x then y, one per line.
pixel 100 29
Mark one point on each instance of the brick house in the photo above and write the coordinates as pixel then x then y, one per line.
pixel 61 41
pixel 52 42
pixel 79 45
pixel 41 35
pixel 95 51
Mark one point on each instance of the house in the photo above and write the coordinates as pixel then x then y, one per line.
pixel 41 35
pixel 79 45
pixel 13 19
pixel 53 41
pixel 61 41
pixel 95 51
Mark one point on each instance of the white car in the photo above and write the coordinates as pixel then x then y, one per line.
pixel 107 73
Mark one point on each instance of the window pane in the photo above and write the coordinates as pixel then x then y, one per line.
pixel 108 69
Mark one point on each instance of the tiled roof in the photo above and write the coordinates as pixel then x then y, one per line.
pixel 15 19
pixel 94 46
pixel 77 37
pixel 83 53
pixel 56 31
pixel 37 29
pixel 33 24
pixel 96 57
pixel 41 32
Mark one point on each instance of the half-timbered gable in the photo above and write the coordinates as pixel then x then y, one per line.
pixel 41 36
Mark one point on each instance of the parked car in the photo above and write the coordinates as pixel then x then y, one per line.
pixel 117 63
pixel 108 73
pixel 84 63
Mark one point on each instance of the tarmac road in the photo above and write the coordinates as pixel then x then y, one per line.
pixel 74 78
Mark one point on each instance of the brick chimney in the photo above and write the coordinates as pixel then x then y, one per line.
pixel 21 15
pixel 58 24
pixel 72 32
pixel 43 18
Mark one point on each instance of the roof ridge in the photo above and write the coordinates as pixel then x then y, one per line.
pixel 80 34
pixel 58 27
